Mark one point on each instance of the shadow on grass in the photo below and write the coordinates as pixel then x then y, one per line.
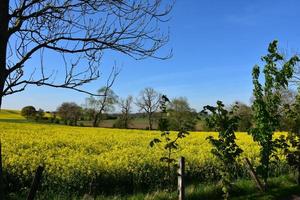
pixel 287 193
pixel 14 120
pixel 27 121
pixel 281 188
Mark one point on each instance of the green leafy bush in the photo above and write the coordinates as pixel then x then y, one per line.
pixel 224 147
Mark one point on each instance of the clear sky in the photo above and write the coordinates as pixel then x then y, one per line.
pixel 215 45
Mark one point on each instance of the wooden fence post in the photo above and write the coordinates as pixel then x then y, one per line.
pixel 35 183
pixel 1 175
pixel 253 175
pixel 181 184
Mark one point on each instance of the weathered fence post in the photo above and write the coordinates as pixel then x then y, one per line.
pixel 35 183
pixel 253 175
pixel 181 189
pixel 1 175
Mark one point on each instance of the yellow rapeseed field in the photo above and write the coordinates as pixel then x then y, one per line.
pixel 75 155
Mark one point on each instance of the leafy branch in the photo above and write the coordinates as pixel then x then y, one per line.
pixel 170 145
pixel 224 147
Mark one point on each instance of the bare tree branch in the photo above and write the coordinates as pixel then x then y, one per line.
pixel 105 100
pixel 126 109
pixel 149 102
pixel 83 30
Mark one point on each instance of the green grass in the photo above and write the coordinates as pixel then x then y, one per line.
pixel 283 187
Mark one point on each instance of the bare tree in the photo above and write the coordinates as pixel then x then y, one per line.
pixel 126 109
pixel 288 96
pixel 148 101
pixel 105 101
pixel 79 32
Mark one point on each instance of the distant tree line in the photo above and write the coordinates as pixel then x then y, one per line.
pixel 181 115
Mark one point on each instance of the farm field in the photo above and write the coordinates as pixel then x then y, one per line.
pixel 149 100
pixel 136 123
pixel 118 161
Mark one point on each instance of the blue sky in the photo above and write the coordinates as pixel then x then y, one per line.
pixel 215 45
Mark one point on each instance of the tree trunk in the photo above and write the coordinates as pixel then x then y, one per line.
pixel 2 82
pixel 150 121
pixel 4 18
pixel 98 116
pixel 96 120
pixel 126 120
pixel 254 175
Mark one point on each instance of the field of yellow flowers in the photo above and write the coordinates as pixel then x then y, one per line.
pixel 113 159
